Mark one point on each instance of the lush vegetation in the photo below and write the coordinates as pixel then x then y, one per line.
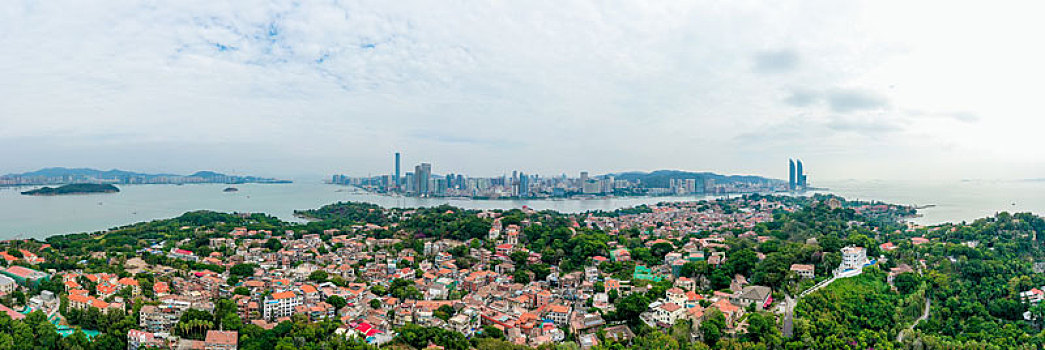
pixel 72 189
pixel 859 310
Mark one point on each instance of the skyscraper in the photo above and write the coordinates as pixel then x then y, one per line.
pixel 791 175
pixel 422 175
pixel 524 185
pixel 800 175
pixel 397 181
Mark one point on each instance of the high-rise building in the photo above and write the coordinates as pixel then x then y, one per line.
pixel 524 185
pixel 791 175
pixel 422 175
pixel 584 177
pixel 397 181
pixel 801 175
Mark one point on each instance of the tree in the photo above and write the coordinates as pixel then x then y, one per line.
pixel 906 282
pixel 242 270
pixel 318 276
pixel 378 290
pixel 492 332
pixel 375 303
pixel 241 291
pixel 521 276
pixel 712 327
pixel 337 301
pixel 444 312
pixel 661 249
pixel 630 307
pixel 742 261
pixel 273 244
pixel 694 269
pixel 1037 312
pixel 762 329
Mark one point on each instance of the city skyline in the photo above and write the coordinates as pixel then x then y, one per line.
pixel 289 91
pixel 422 182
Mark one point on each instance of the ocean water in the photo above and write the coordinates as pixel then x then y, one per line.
pixel 38 217
pixel 41 216
pixel 952 201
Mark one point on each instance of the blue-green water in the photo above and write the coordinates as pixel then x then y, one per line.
pixel 37 217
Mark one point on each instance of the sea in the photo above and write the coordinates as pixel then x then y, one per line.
pixel 23 217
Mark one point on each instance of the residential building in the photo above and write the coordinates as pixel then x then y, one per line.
pixel 221 340
pixel 804 271
pixel 281 304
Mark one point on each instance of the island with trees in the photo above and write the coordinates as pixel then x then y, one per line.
pixel 71 189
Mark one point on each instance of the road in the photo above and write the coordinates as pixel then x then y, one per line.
pixel 789 308
pixel 788 328
pixel 925 315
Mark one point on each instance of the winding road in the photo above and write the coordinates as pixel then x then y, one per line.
pixel 925 315
pixel 788 328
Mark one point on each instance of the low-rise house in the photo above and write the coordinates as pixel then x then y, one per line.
pixel 7 284
pixel 137 339
pixel 761 296
pixel 804 271
pixel 896 271
pixel 221 340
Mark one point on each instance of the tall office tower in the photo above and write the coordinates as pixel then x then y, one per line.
pixel 791 175
pixel 799 175
pixel 397 181
pixel 524 185
pixel 584 178
pixel 422 175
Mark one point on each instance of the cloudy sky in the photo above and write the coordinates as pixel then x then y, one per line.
pixel 872 90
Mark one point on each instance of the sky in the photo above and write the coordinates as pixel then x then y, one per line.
pixel 857 90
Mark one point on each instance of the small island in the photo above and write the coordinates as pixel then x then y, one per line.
pixel 72 189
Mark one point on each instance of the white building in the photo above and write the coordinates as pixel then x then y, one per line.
pixel 853 261
pixel 664 314
pixel 281 304
pixel 7 284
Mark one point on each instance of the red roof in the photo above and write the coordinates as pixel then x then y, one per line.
pixel 283 295
pixel 21 271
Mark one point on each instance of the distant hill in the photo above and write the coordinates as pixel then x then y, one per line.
pixel 662 178
pixel 88 172
pixel 59 175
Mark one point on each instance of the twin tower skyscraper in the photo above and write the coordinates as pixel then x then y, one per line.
pixel 797 178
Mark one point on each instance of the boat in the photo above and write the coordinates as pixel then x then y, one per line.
pixel 230 189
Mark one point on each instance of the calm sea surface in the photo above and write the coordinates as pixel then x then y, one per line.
pixel 38 217
pixel 41 216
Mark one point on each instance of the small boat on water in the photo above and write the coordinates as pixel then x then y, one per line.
pixel 230 189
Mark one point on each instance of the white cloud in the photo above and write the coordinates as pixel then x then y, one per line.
pixel 318 87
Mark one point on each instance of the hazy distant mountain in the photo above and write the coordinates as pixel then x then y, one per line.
pixel 662 178
pixel 60 171
pixel 59 175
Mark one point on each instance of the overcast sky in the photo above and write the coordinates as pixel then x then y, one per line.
pixel 872 90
